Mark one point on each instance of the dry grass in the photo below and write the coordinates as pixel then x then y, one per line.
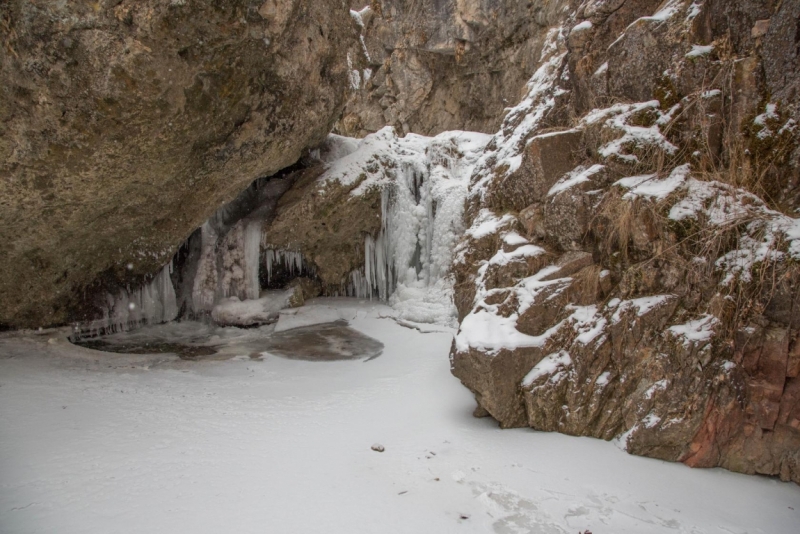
pixel 10 35
pixel 586 285
pixel 714 130
pixel 633 233
pixel 623 227
pixel 617 216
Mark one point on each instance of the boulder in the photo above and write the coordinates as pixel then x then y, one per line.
pixel 327 225
pixel 547 157
pixel 638 59
pixel 569 264
pixel 494 380
pixel 304 289
pixel 567 217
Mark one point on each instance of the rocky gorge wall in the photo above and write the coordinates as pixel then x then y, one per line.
pixel 629 271
pixel 427 67
pixel 620 255
pixel 628 266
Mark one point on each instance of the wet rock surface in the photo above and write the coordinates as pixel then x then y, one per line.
pixel 183 351
pixel 126 124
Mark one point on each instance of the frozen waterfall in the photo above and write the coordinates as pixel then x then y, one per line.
pixel 252 253
pixel 422 207
pixel 228 266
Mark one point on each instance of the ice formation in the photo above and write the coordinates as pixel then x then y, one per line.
pixel 252 253
pixel 228 265
pixel 292 261
pixel 205 281
pixel 152 303
pixel 424 183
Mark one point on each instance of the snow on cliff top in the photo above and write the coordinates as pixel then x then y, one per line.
pixel 373 160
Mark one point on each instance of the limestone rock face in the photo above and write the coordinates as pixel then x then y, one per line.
pixel 327 225
pixel 427 67
pixel 631 259
pixel 546 159
pixel 781 52
pixel 125 124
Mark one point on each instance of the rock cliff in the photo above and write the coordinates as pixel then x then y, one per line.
pixel 630 268
pixel 125 124
pixel 428 67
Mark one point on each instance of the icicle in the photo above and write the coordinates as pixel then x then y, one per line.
pixel 414 244
pixel 269 260
pixel 358 286
pixel 376 278
pixel 291 260
pixel 369 261
pixel 169 300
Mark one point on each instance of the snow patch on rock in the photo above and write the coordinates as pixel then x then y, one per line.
pixel 548 366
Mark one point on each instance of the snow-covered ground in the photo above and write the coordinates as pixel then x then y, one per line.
pixel 125 444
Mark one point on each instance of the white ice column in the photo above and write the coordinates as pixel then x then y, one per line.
pixel 252 248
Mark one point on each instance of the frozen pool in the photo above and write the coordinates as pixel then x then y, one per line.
pixel 197 341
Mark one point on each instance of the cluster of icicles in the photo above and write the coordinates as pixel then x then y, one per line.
pixel 229 266
pixel 153 302
pixel 291 260
pixel 378 277
pixel 403 251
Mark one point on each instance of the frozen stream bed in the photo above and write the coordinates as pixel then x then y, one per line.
pixel 96 442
